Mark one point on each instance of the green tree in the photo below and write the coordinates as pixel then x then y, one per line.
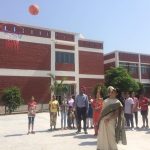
pixel 103 91
pixel 11 98
pixel 141 88
pixel 120 79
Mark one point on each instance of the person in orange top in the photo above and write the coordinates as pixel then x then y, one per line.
pixel 97 108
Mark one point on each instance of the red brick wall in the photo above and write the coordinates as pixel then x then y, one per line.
pixel 65 67
pixel 28 56
pixel 66 47
pixel 128 57
pixel 91 63
pixel 64 36
pixel 109 56
pixel 109 65
pixel 36 86
pixel 90 44
pixel 90 84
pixel 145 59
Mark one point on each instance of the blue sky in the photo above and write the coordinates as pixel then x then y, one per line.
pixel 121 24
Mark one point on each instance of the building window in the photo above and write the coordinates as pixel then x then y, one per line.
pixel 123 65
pixel 133 68
pixel 130 67
pixel 64 57
pixel 145 69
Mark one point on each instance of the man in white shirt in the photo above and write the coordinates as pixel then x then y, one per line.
pixel 128 110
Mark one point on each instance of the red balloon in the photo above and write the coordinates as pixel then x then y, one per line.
pixel 34 9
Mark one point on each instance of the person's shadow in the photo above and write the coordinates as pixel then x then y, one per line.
pixel 10 135
pixel 90 143
pixel 21 134
pixel 148 132
pixel 85 136
pixel 63 135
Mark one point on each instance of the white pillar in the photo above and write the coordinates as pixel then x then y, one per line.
pixel 76 58
pixel 52 56
pixel 139 68
pixel 116 59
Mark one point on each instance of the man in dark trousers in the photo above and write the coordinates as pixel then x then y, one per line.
pixel 81 105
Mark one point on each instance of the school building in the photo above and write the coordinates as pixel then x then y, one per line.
pixel 28 54
pixel 138 65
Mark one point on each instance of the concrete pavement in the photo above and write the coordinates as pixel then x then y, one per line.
pixel 13 136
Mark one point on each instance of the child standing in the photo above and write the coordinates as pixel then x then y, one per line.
pixel 63 110
pixel 89 119
pixel 53 109
pixel 71 117
pixel 71 112
pixel 31 115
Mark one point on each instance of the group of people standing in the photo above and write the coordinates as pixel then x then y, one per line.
pixel 109 116
pixel 74 111
pixel 66 109
pixel 132 105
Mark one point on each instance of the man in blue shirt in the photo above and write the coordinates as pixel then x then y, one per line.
pixel 81 105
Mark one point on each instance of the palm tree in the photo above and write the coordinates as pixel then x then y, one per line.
pixel 58 88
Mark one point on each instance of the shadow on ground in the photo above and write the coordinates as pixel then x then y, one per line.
pixel 11 135
pixel 91 143
pixel 49 130
pixel 40 131
pixel 138 130
pixel 62 135
pixel 148 132
pixel 85 136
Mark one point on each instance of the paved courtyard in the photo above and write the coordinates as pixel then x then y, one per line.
pixel 13 136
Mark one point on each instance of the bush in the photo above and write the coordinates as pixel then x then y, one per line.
pixel 12 98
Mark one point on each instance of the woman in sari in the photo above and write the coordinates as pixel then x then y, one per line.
pixel 111 124
pixel 97 108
